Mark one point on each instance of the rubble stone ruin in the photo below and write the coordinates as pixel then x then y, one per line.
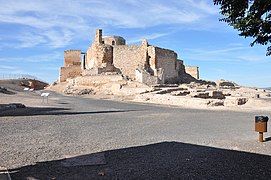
pixel 111 56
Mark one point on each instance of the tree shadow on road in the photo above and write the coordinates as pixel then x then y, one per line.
pixel 165 160
pixel 36 111
pixel 268 139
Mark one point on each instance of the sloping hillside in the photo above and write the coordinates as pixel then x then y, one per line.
pixel 20 84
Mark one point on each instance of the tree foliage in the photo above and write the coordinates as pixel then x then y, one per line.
pixel 251 17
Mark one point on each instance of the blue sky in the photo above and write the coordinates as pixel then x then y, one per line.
pixel 34 34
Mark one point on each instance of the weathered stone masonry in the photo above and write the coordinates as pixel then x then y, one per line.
pixel 72 62
pixel 127 59
pixel 193 71
pixel 144 63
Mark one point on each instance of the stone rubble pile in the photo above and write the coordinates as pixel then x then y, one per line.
pixel 198 94
pixel 221 93
pixel 71 90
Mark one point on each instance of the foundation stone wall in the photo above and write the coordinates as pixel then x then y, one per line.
pixel 96 79
pixel 69 72
pixel 145 77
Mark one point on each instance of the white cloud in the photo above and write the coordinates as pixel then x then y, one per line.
pixel 51 57
pixel 59 39
pixel 202 6
pixel 228 54
pixel 7 71
pixel 29 39
pixel 148 37
pixel 57 23
pixel 253 58
pixel 4 67
pixel 219 51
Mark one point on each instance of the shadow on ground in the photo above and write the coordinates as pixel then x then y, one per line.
pixel 166 160
pixel 268 139
pixel 35 111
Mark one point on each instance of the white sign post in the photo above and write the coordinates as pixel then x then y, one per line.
pixel 45 95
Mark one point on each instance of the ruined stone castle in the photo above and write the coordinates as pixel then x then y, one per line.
pixel 110 55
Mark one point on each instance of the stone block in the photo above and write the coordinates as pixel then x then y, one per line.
pixel 203 95
pixel 217 95
pixel 181 93
pixel 235 101
pixel 215 103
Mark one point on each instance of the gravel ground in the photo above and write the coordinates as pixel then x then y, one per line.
pixel 137 141
pixel 13 84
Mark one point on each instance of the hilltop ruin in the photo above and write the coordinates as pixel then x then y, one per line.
pixel 111 56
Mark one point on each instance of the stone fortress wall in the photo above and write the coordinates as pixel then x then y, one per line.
pixel 72 65
pixel 127 59
pixel 193 71
pixel 144 63
pixel 72 57
pixel 165 60
pixel 114 40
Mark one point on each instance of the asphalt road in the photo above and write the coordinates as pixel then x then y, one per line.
pixel 137 141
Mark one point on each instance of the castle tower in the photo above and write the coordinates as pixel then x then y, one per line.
pixel 98 37
pixel 145 42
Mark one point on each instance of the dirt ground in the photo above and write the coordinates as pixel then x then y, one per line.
pixel 135 141
pixel 255 99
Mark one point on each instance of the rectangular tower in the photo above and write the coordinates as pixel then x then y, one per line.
pixel 99 36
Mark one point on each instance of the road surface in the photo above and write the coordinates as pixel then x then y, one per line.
pixel 132 141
